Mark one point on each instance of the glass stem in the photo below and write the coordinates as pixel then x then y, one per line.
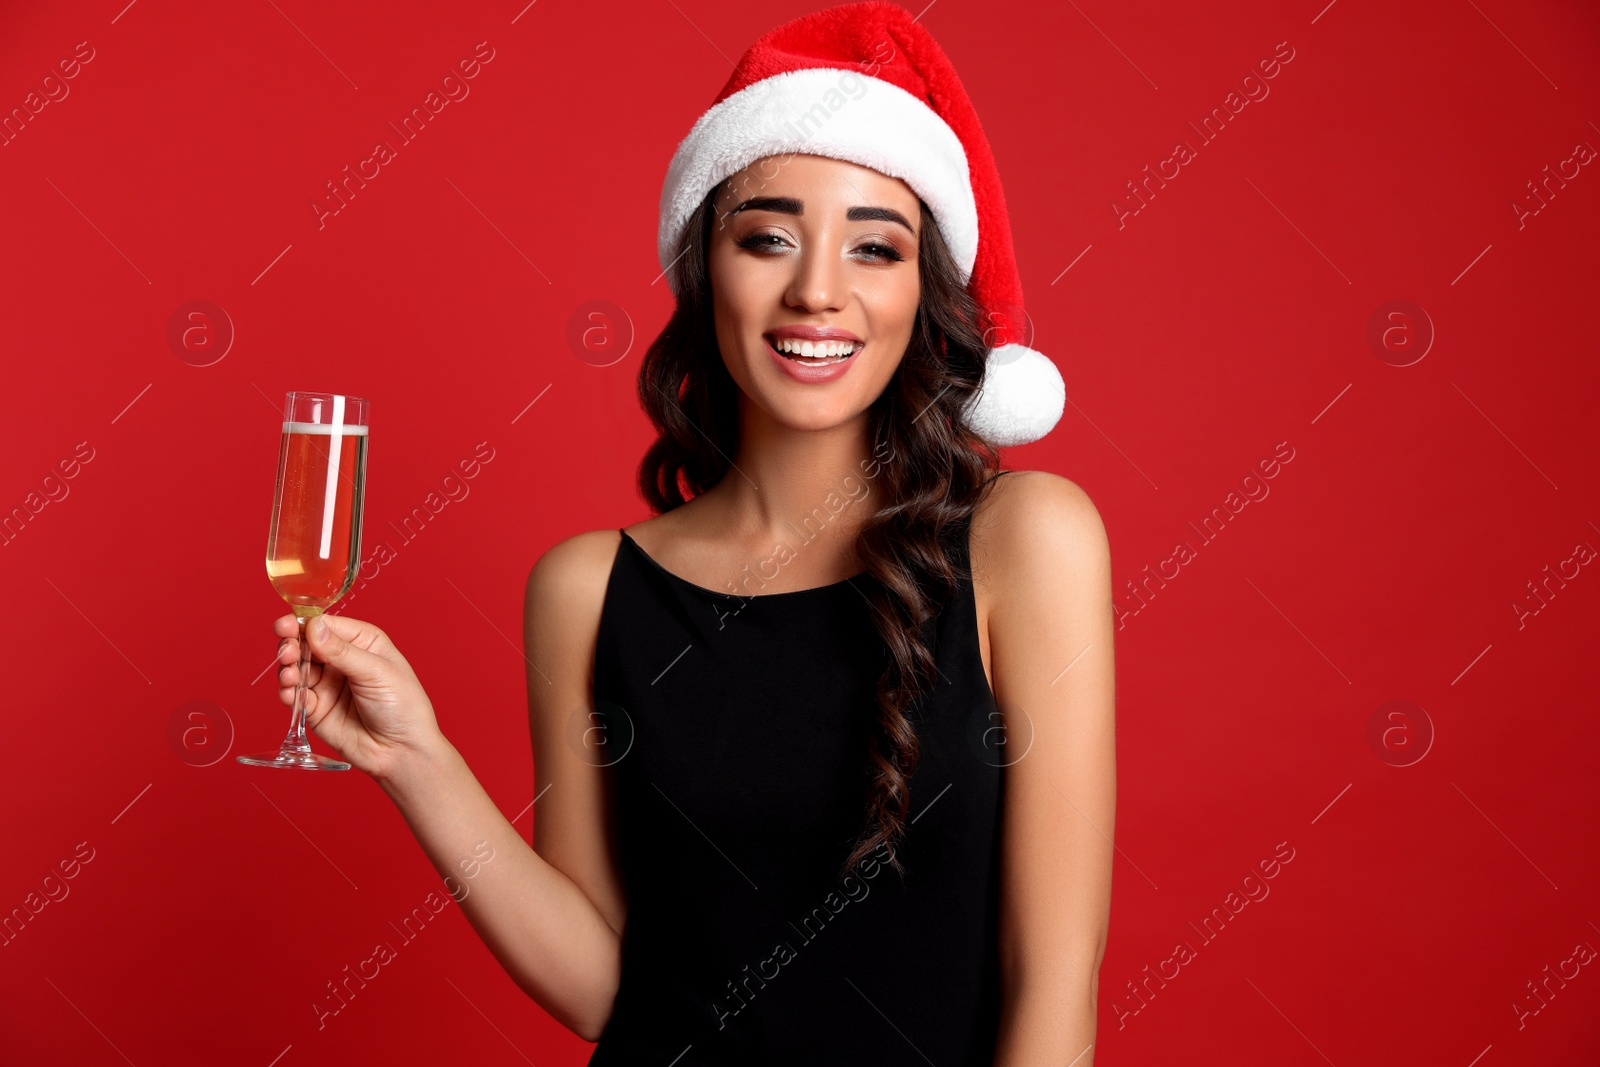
pixel 296 742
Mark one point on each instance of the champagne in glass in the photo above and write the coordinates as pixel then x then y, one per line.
pixel 314 540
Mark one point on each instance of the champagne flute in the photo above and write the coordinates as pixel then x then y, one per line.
pixel 314 540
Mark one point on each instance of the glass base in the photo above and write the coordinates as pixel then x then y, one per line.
pixel 300 761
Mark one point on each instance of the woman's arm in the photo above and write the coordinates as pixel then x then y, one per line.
pixel 1050 627
pixel 552 917
pixel 541 927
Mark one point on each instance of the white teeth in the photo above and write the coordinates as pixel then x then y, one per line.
pixel 813 349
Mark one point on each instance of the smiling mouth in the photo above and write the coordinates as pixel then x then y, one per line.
pixel 813 353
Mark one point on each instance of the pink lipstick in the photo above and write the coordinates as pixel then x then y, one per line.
pixel 813 370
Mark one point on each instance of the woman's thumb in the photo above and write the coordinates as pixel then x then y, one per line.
pixel 338 641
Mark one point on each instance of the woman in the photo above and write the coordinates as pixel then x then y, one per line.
pixel 823 751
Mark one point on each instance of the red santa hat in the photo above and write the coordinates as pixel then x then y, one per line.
pixel 868 84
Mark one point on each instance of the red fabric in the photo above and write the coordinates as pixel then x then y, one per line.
pixel 884 40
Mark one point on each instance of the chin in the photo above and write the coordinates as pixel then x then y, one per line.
pixel 815 416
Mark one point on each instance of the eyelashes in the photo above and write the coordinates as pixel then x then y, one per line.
pixel 757 241
pixel 887 252
pixel 877 251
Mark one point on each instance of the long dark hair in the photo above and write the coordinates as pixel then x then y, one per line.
pixel 933 471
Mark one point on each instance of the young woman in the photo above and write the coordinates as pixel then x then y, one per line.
pixel 824 750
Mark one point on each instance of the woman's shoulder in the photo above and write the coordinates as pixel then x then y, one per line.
pixel 1029 518
pixel 1022 497
pixel 573 573
pixel 581 552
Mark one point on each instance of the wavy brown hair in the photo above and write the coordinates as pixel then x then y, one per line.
pixel 933 471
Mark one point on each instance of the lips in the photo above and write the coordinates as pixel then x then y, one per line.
pixel 811 371
pixel 830 344
pixel 800 332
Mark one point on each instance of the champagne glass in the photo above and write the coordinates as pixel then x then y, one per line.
pixel 314 540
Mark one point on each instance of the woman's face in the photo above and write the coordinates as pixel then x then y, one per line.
pixel 806 241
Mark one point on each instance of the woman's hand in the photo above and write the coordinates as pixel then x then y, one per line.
pixel 362 697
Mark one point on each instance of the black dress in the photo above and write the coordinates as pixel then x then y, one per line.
pixel 736 731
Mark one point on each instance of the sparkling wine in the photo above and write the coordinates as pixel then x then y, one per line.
pixel 314 542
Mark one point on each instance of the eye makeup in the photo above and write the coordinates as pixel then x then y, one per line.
pixel 878 250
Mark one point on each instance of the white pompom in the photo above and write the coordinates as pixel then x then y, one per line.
pixel 1022 397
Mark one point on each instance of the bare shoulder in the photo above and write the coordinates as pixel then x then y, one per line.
pixel 562 606
pixel 561 612
pixel 574 573
pixel 568 583
pixel 1032 523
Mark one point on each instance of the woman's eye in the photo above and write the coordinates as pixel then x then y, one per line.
pixel 875 250
pixel 760 241
pixel 883 251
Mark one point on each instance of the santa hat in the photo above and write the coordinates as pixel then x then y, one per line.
pixel 868 84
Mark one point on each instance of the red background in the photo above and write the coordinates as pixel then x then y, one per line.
pixel 1228 315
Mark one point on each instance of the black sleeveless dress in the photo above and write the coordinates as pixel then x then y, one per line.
pixel 736 731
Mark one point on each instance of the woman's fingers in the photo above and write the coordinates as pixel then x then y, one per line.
pixel 289 634
pixel 289 674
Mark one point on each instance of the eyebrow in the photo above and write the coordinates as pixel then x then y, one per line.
pixel 788 205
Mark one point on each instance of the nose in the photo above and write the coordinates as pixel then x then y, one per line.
pixel 818 284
